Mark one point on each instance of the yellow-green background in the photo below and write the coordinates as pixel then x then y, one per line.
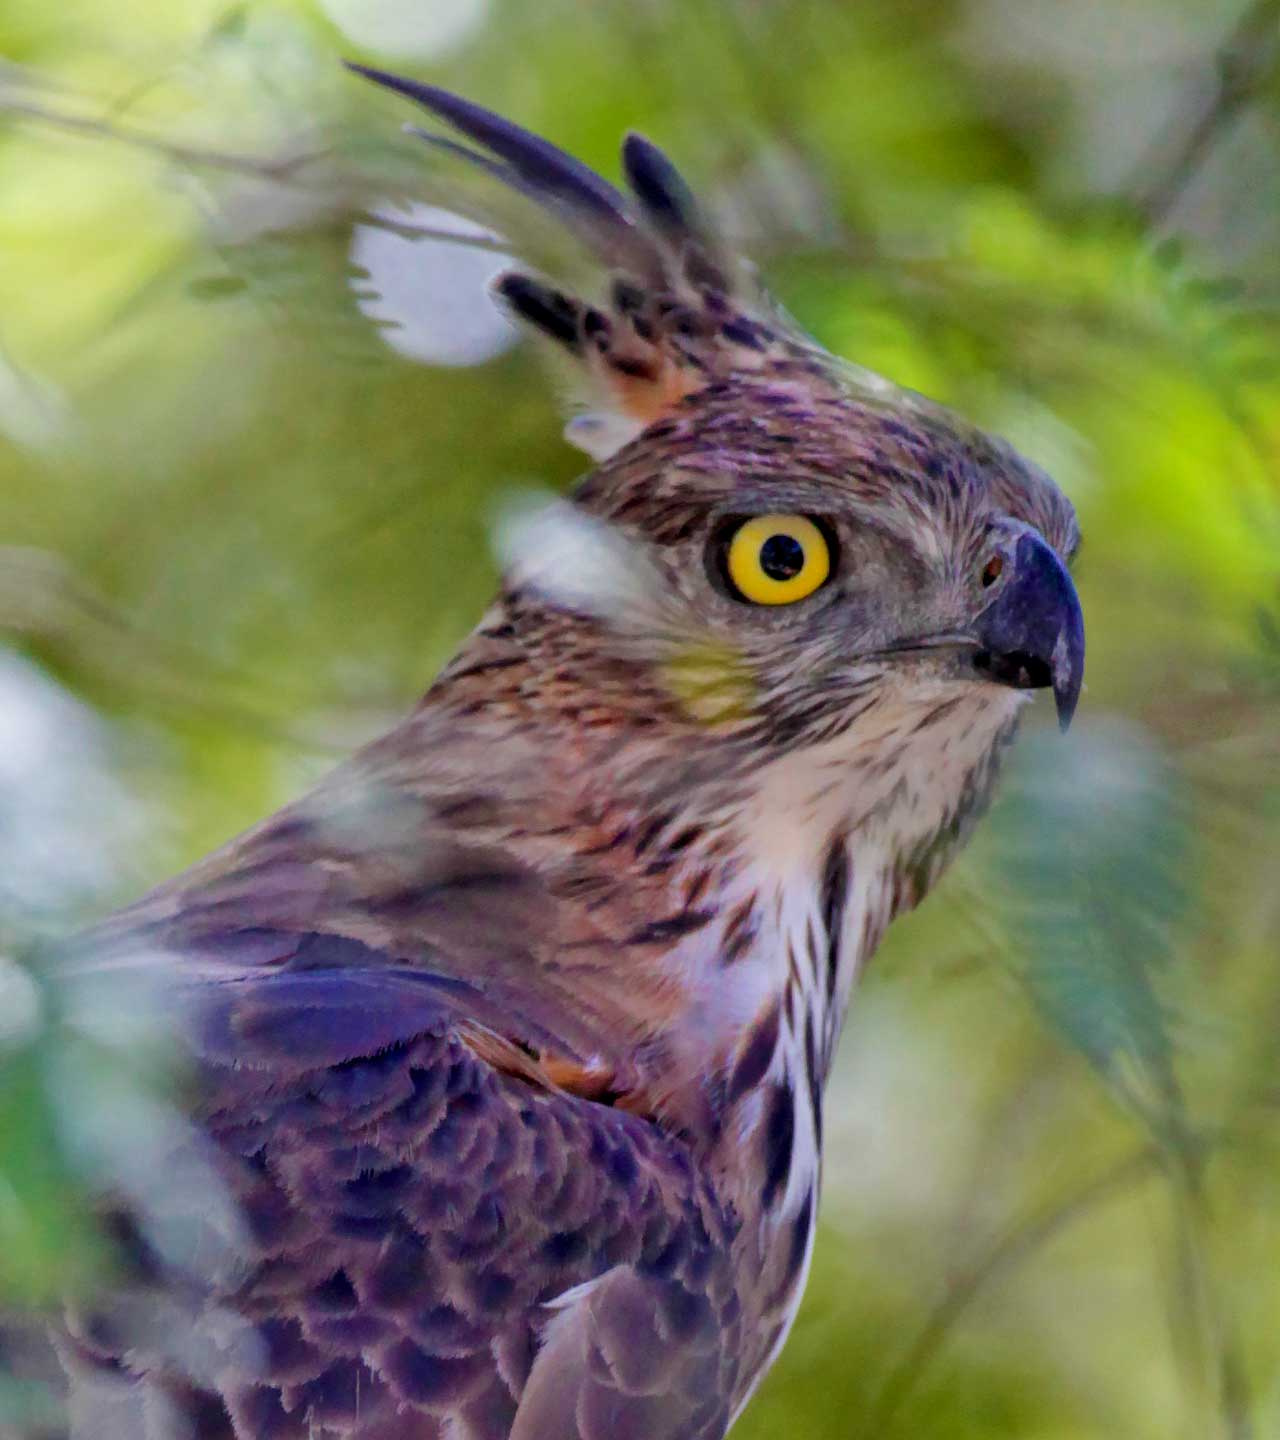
pixel 238 533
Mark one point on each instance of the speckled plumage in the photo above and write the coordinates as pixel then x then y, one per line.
pixel 510 1039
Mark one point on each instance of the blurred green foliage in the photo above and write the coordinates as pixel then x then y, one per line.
pixel 238 532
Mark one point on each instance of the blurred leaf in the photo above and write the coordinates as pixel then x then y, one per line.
pixel 1095 849
pixel 47 1242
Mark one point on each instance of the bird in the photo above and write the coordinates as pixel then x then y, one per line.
pixel 506 1045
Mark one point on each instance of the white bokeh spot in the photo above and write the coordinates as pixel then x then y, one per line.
pixel 430 295
pixel 65 820
pixel 19 1005
pixel 417 29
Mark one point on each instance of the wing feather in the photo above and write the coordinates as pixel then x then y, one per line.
pixel 633 1357
pixel 409 1212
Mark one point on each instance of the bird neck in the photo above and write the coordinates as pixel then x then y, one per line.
pixel 830 851
pixel 819 849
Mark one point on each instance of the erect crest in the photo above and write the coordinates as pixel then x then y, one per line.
pixel 679 313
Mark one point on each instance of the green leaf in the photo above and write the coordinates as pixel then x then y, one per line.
pixel 1096 858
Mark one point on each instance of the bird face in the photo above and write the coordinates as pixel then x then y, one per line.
pixel 841 559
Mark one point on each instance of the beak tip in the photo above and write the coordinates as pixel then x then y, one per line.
pixel 1068 673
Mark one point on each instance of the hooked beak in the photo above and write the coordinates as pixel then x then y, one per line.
pixel 1032 634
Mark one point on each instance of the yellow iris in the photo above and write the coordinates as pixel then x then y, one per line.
pixel 778 559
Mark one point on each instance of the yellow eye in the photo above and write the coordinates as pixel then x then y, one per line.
pixel 778 559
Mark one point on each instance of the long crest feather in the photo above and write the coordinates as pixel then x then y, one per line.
pixel 594 208
pixel 674 319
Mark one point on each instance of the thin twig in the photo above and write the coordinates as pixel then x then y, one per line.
pixel 411 230
pixel 1216 1332
pixel 1242 64
pixel 42 599
pixel 281 170
pixel 1006 1251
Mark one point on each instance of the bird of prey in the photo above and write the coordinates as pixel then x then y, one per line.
pixel 508 1042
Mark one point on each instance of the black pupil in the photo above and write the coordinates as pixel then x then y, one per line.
pixel 782 557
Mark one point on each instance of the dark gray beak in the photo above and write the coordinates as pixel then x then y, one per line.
pixel 1032 634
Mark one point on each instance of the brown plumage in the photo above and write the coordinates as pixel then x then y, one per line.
pixel 509 1040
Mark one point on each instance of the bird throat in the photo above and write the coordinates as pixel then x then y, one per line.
pixel 837 850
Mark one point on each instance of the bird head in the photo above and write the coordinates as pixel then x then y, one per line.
pixel 845 555
pixel 776 549
pixel 822 544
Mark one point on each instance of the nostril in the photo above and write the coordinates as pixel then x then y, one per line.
pixel 992 571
